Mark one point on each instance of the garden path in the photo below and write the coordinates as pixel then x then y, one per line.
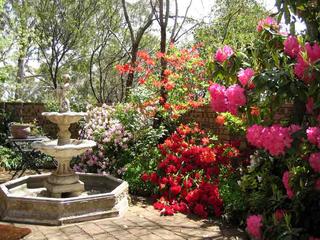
pixel 140 222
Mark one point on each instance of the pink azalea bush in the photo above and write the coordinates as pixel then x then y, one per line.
pixel 281 179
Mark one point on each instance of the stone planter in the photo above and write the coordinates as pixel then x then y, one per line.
pixel 20 130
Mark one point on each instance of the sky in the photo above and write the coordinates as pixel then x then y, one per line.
pixel 201 9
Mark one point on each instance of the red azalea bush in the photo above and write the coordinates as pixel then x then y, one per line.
pixel 187 177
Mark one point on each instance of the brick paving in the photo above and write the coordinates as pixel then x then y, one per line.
pixel 140 222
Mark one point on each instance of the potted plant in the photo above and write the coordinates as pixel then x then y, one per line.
pixel 20 130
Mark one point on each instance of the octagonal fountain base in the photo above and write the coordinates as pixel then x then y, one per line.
pixel 25 200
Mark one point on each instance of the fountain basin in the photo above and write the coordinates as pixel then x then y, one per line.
pixel 74 148
pixel 64 118
pixel 25 200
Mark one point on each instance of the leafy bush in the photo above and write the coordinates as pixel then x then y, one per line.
pixel 9 159
pixel 126 143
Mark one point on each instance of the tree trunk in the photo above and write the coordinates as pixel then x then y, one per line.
pixel 20 76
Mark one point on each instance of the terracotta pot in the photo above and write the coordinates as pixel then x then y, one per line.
pixel 20 130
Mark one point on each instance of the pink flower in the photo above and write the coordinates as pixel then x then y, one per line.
pixel 313 52
pixel 245 75
pixel 223 54
pixel 274 139
pixel 218 98
pixel 277 139
pixel 230 99
pixel 310 105
pixel 236 98
pixel 291 46
pixel 302 70
pixel 314 161
pixel 306 59
pixel 254 224
pixel 313 135
pixel 268 22
pixel 285 181
pixel 254 135
pixel 294 128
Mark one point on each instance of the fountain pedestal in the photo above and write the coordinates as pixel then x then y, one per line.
pixel 64 182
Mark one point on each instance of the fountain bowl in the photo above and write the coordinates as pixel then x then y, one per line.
pixel 73 148
pixel 64 118
pixel 25 200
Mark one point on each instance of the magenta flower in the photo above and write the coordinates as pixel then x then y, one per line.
pixel 274 139
pixel 254 225
pixel 313 52
pixel 254 135
pixel 313 135
pixel 223 54
pixel 285 181
pixel 245 75
pixel 218 98
pixel 236 98
pixel 230 99
pixel 291 46
pixel 267 23
pixel 302 70
pixel 314 161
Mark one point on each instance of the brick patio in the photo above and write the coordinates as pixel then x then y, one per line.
pixel 140 222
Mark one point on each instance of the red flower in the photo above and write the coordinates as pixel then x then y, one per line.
pixel 200 210
pixel 167 211
pixel 158 205
pixel 144 177
pixel 175 190
pixel 154 178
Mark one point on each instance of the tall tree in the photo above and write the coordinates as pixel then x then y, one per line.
pixel 135 36
pixel 60 28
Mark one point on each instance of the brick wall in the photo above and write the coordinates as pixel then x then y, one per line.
pixel 28 112
pixel 205 116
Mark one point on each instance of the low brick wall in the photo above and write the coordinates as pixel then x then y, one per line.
pixel 205 117
pixel 28 112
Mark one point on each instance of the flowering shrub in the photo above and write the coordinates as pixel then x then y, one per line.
pixel 278 190
pixel 187 177
pixel 127 143
pixel 178 89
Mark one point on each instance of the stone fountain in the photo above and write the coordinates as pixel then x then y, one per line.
pixel 63 196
